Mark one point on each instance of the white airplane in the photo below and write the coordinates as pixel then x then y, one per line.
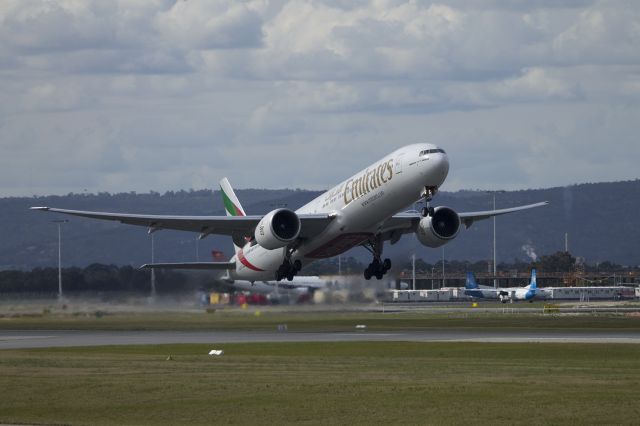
pixel 364 210
pixel 504 294
pixel 527 293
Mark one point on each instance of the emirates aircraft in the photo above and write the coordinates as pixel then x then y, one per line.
pixel 367 209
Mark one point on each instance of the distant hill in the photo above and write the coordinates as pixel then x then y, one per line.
pixel 601 219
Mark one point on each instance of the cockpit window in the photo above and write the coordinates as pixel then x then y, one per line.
pixel 431 151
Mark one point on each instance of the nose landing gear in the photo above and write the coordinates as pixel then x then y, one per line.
pixel 428 194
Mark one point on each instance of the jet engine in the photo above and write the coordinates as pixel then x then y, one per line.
pixel 277 229
pixel 438 228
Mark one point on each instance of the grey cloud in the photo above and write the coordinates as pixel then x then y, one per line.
pixel 137 95
pixel 34 27
pixel 128 37
pixel 422 40
pixel 211 25
pixel 604 34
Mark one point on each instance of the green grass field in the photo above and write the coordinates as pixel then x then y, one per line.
pixel 323 383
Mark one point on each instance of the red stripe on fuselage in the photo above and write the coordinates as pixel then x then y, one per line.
pixel 246 263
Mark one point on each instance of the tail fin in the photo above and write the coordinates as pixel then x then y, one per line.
pixel 533 284
pixel 471 281
pixel 231 203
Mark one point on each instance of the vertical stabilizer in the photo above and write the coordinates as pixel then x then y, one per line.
pixel 231 203
pixel 471 281
pixel 533 284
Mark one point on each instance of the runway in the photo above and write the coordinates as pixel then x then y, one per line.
pixel 17 339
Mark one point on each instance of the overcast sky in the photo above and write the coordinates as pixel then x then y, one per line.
pixel 134 95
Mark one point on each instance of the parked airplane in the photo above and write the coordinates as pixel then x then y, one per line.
pixel 473 289
pixel 364 210
pixel 505 294
pixel 521 293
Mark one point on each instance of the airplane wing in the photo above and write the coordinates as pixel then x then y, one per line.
pixel 191 265
pixel 470 217
pixel 311 224
pixel 406 222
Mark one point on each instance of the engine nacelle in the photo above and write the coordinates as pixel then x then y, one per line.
pixel 442 227
pixel 277 229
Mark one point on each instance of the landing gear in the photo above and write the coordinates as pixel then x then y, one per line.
pixel 288 270
pixel 427 211
pixel 378 267
pixel 428 193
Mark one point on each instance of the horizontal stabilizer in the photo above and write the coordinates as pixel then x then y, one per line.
pixel 191 265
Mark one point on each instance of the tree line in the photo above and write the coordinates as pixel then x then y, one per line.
pixel 560 261
pixel 94 278
pixel 106 278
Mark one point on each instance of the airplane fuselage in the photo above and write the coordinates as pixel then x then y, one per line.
pixel 360 205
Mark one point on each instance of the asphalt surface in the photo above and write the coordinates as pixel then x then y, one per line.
pixel 16 339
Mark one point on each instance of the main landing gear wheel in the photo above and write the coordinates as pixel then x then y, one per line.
pixel 377 269
pixel 288 270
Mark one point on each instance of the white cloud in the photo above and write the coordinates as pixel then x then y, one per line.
pixel 210 25
pixel 161 94
pixel 606 33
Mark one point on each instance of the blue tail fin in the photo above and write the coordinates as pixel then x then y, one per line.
pixel 533 284
pixel 471 281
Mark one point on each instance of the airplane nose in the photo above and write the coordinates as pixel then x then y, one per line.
pixel 440 167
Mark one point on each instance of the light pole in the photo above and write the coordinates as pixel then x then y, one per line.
pixel 153 270
pixel 59 223
pixel 413 270
pixel 442 266
pixel 495 271
pixel 433 274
